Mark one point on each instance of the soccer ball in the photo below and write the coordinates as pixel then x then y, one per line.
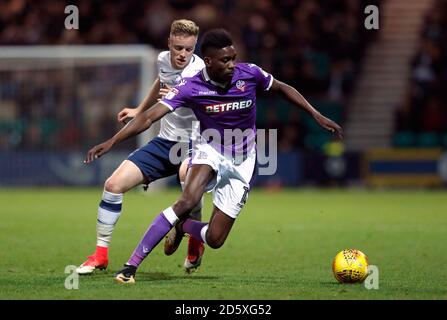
pixel 350 266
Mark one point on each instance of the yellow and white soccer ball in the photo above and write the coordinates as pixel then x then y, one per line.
pixel 350 266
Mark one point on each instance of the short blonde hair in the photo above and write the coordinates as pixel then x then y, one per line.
pixel 184 27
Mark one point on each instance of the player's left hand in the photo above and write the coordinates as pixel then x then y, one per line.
pixel 98 151
pixel 329 125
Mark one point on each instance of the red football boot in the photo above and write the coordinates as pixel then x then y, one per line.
pixel 98 260
pixel 195 253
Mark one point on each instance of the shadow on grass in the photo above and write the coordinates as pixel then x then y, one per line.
pixel 144 276
pixel 154 276
pixel 335 284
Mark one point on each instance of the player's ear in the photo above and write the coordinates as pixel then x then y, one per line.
pixel 207 61
pixel 169 42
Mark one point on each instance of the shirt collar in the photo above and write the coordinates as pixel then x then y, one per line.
pixel 208 79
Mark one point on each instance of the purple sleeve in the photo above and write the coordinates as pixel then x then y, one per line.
pixel 176 97
pixel 264 79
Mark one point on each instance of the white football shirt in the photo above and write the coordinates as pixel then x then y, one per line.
pixel 177 125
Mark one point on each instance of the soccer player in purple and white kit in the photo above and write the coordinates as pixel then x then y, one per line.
pixel 223 97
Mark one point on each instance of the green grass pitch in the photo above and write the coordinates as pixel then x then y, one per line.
pixel 281 246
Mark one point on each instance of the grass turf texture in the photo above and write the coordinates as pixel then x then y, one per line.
pixel 281 246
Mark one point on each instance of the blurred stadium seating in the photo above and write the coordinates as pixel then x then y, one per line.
pixel 421 117
pixel 316 46
pixel 322 44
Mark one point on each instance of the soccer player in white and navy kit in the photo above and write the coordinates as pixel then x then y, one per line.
pixel 152 161
pixel 223 97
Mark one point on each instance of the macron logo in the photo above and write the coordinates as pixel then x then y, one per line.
pixel 229 106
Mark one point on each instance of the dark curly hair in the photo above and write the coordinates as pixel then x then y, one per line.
pixel 215 38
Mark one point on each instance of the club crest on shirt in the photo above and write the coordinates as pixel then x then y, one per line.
pixel 240 84
pixel 181 82
pixel 171 94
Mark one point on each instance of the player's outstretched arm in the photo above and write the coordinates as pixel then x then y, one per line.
pixel 127 113
pixel 140 123
pixel 292 95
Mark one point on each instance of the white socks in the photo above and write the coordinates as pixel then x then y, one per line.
pixel 203 233
pixel 109 212
pixel 170 216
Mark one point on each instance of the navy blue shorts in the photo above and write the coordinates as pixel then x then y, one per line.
pixel 153 159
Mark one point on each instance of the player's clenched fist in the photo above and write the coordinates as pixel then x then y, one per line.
pixel 98 151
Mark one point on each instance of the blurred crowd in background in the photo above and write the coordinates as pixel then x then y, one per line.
pixel 421 118
pixel 315 46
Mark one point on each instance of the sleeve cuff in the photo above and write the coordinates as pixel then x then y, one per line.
pixel 167 105
pixel 270 83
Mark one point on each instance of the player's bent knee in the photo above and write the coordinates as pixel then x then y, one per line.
pixel 214 243
pixel 112 186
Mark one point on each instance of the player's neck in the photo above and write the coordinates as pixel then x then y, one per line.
pixel 217 83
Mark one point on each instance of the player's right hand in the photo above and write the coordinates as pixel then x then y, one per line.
pixel 98 151
pixel 126 114
pixel 164 91
pixel 329 125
